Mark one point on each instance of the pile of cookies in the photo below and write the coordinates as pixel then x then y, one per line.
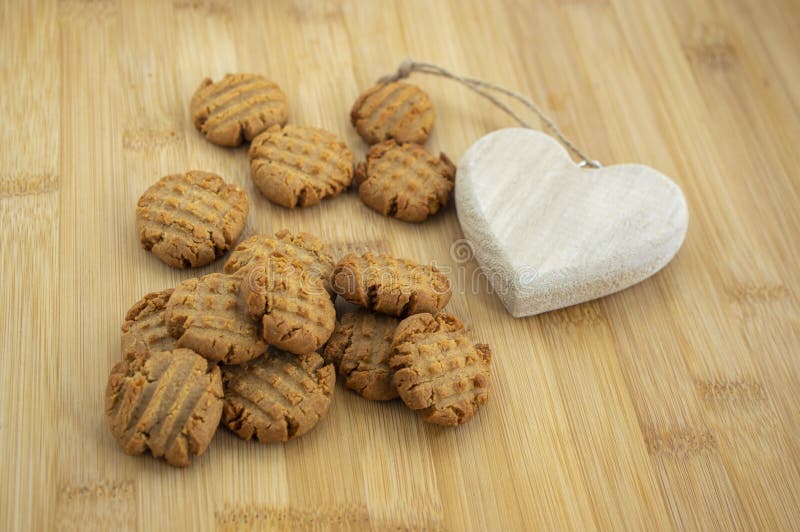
pixel 241 348
pixel 299 166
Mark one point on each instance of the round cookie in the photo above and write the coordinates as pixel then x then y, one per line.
pixel 205 315
pixel 438 371
pixel 385 284
pixel 277 397
pixel 360 347
pixel 298 166
pixel 296 312
pixel 237 108
pixel 169 403
pixel 405 181
pixel 188 220
pixel 303 249
pixel 395 110
pixel 145 330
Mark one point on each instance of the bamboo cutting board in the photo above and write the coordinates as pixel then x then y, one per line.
pixel 673 404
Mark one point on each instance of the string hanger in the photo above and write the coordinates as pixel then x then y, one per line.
pixel 409 66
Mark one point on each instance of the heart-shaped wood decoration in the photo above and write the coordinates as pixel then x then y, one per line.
pixel 549 234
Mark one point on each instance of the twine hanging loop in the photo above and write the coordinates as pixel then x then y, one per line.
pixel 409 66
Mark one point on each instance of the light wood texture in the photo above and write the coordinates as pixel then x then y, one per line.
pixel 548 234
pixel 672 404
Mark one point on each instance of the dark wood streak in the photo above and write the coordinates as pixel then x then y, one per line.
pixel 27 184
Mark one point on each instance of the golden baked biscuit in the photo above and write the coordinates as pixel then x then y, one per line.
pixel 438 371
pixel 405 181
pixel 360 347
pixel 395 110
pixel 188 220
pixel 304 250
pixel 169 403
pixel 277 397
pixel 385 284
pixel 237 108
pixel 145 330
pixel 298 166
pixel 296 312
pixel 205 315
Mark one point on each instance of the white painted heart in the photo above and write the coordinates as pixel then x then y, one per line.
pixel 549 234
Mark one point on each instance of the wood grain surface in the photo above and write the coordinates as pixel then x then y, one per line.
pixel 673 404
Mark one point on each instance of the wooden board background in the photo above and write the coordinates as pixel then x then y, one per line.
pixel 673 404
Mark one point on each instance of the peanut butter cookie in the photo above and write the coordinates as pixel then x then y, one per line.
pixel 278 396
pixel 305 250
pixel 397 287
pixel 237 108
pixel 188 220
pixel 405 181
pixel 360 348
pixel 396 110
pixel 169 403
pixel 298 166
pixel 205 315
pixel 145 330
pixel 296 312
pixel 438 371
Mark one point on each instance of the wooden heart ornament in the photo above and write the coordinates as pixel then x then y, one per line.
pixel 549 234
